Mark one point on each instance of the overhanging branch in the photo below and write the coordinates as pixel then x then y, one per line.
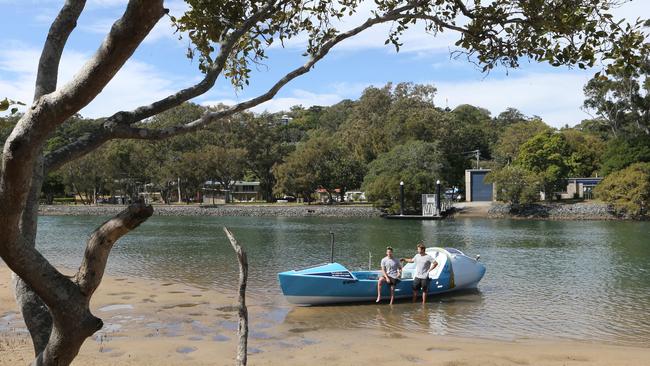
pixel 48 65
pixel 105 132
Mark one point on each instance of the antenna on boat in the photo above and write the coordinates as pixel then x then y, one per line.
pixel 331 246
pixel 369 261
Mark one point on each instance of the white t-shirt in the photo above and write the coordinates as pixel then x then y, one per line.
pixel 391 266
pixel 422 265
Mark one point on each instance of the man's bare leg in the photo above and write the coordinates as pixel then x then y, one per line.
pixel 379 283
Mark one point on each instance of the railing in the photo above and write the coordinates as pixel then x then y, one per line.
pixel 430 205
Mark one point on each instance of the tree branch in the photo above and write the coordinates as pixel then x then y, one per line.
pixel 103 133
pixel 125 36
pixel 48 65
pixel 242 348
pixel 101 242
pixel 27 138
pixel 208 117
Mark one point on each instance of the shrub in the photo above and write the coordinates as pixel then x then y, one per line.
pixel 515 184
pixel 627 190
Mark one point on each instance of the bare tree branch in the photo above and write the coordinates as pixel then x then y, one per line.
pixel 242 348
pixel 48 65
pixel 101 242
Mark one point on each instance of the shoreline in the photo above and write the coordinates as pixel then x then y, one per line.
pixel 248 210
pixel 556 211
pixel 151 322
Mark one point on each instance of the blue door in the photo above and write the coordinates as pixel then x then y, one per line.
pixel 481 191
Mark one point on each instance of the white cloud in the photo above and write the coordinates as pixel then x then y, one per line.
pixel 136 84
pixel 297 97
pixel 556 97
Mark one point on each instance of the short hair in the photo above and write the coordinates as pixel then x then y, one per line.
pixel 389 248
pixel 421 245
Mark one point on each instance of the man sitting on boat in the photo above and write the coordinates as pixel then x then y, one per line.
pixel 424 263
pixel 391 271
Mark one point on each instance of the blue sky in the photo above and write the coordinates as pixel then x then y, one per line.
pixel 160 67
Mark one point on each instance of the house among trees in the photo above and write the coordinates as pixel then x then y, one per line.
pixel 580 188
pixel 238 191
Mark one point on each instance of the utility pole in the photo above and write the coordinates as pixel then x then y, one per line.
pixel 478 156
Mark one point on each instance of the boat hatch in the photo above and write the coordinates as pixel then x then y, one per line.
pixel 454 251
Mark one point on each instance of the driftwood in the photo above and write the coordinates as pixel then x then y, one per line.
pixel 242 355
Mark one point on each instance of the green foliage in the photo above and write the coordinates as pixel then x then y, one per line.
pixel 53 186
pixel 320 162
pixel 418 164
pixel 266 145
pixel 544 155
pixel 86 177
pixel 578 32
pixel 585 153
pixel 622 152
pixel 627 190
pixel 6 103
pixel 515 184
pixel 514 136
pixel 622 99
pixel 222 164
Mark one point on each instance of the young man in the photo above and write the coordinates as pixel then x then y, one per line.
pixel 424 264
pixel 391 271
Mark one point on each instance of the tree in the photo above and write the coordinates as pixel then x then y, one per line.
pixel 621 100
pixel 223 165
pixel 514 136
pixel 545 155
pixel 227 38
pixel 627 190
pixel 53 186
pixel 515 185
pixel 85 177
pixel 265 146
pixel 418 164
pixel 320 162
pixel 510 116
pixel 585 152
pixel 621 152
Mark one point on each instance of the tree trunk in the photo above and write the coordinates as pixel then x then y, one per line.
pixel 35 313
pixel 242 348
pixel 59 330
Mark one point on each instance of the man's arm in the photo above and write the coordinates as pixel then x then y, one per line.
pixel 434 264
pixel 407 260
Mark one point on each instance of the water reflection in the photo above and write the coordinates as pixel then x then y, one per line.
pixel 578 280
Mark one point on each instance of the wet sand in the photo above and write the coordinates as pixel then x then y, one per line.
pixel 156 323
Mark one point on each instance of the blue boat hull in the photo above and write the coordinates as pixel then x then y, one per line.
pixel 333 283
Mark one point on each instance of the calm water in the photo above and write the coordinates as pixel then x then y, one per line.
pixel 576 280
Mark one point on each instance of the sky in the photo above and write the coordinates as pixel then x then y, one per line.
pixel 159 67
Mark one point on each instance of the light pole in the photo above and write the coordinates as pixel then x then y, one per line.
pixel 438 197
pixel 401 198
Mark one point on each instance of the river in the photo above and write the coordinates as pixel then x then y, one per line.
pixel 586 281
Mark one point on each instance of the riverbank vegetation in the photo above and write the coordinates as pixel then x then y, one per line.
pixel 390 134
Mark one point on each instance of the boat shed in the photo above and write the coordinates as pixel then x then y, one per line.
pixel 476 189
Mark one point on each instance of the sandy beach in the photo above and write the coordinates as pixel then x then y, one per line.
pixel 158 323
